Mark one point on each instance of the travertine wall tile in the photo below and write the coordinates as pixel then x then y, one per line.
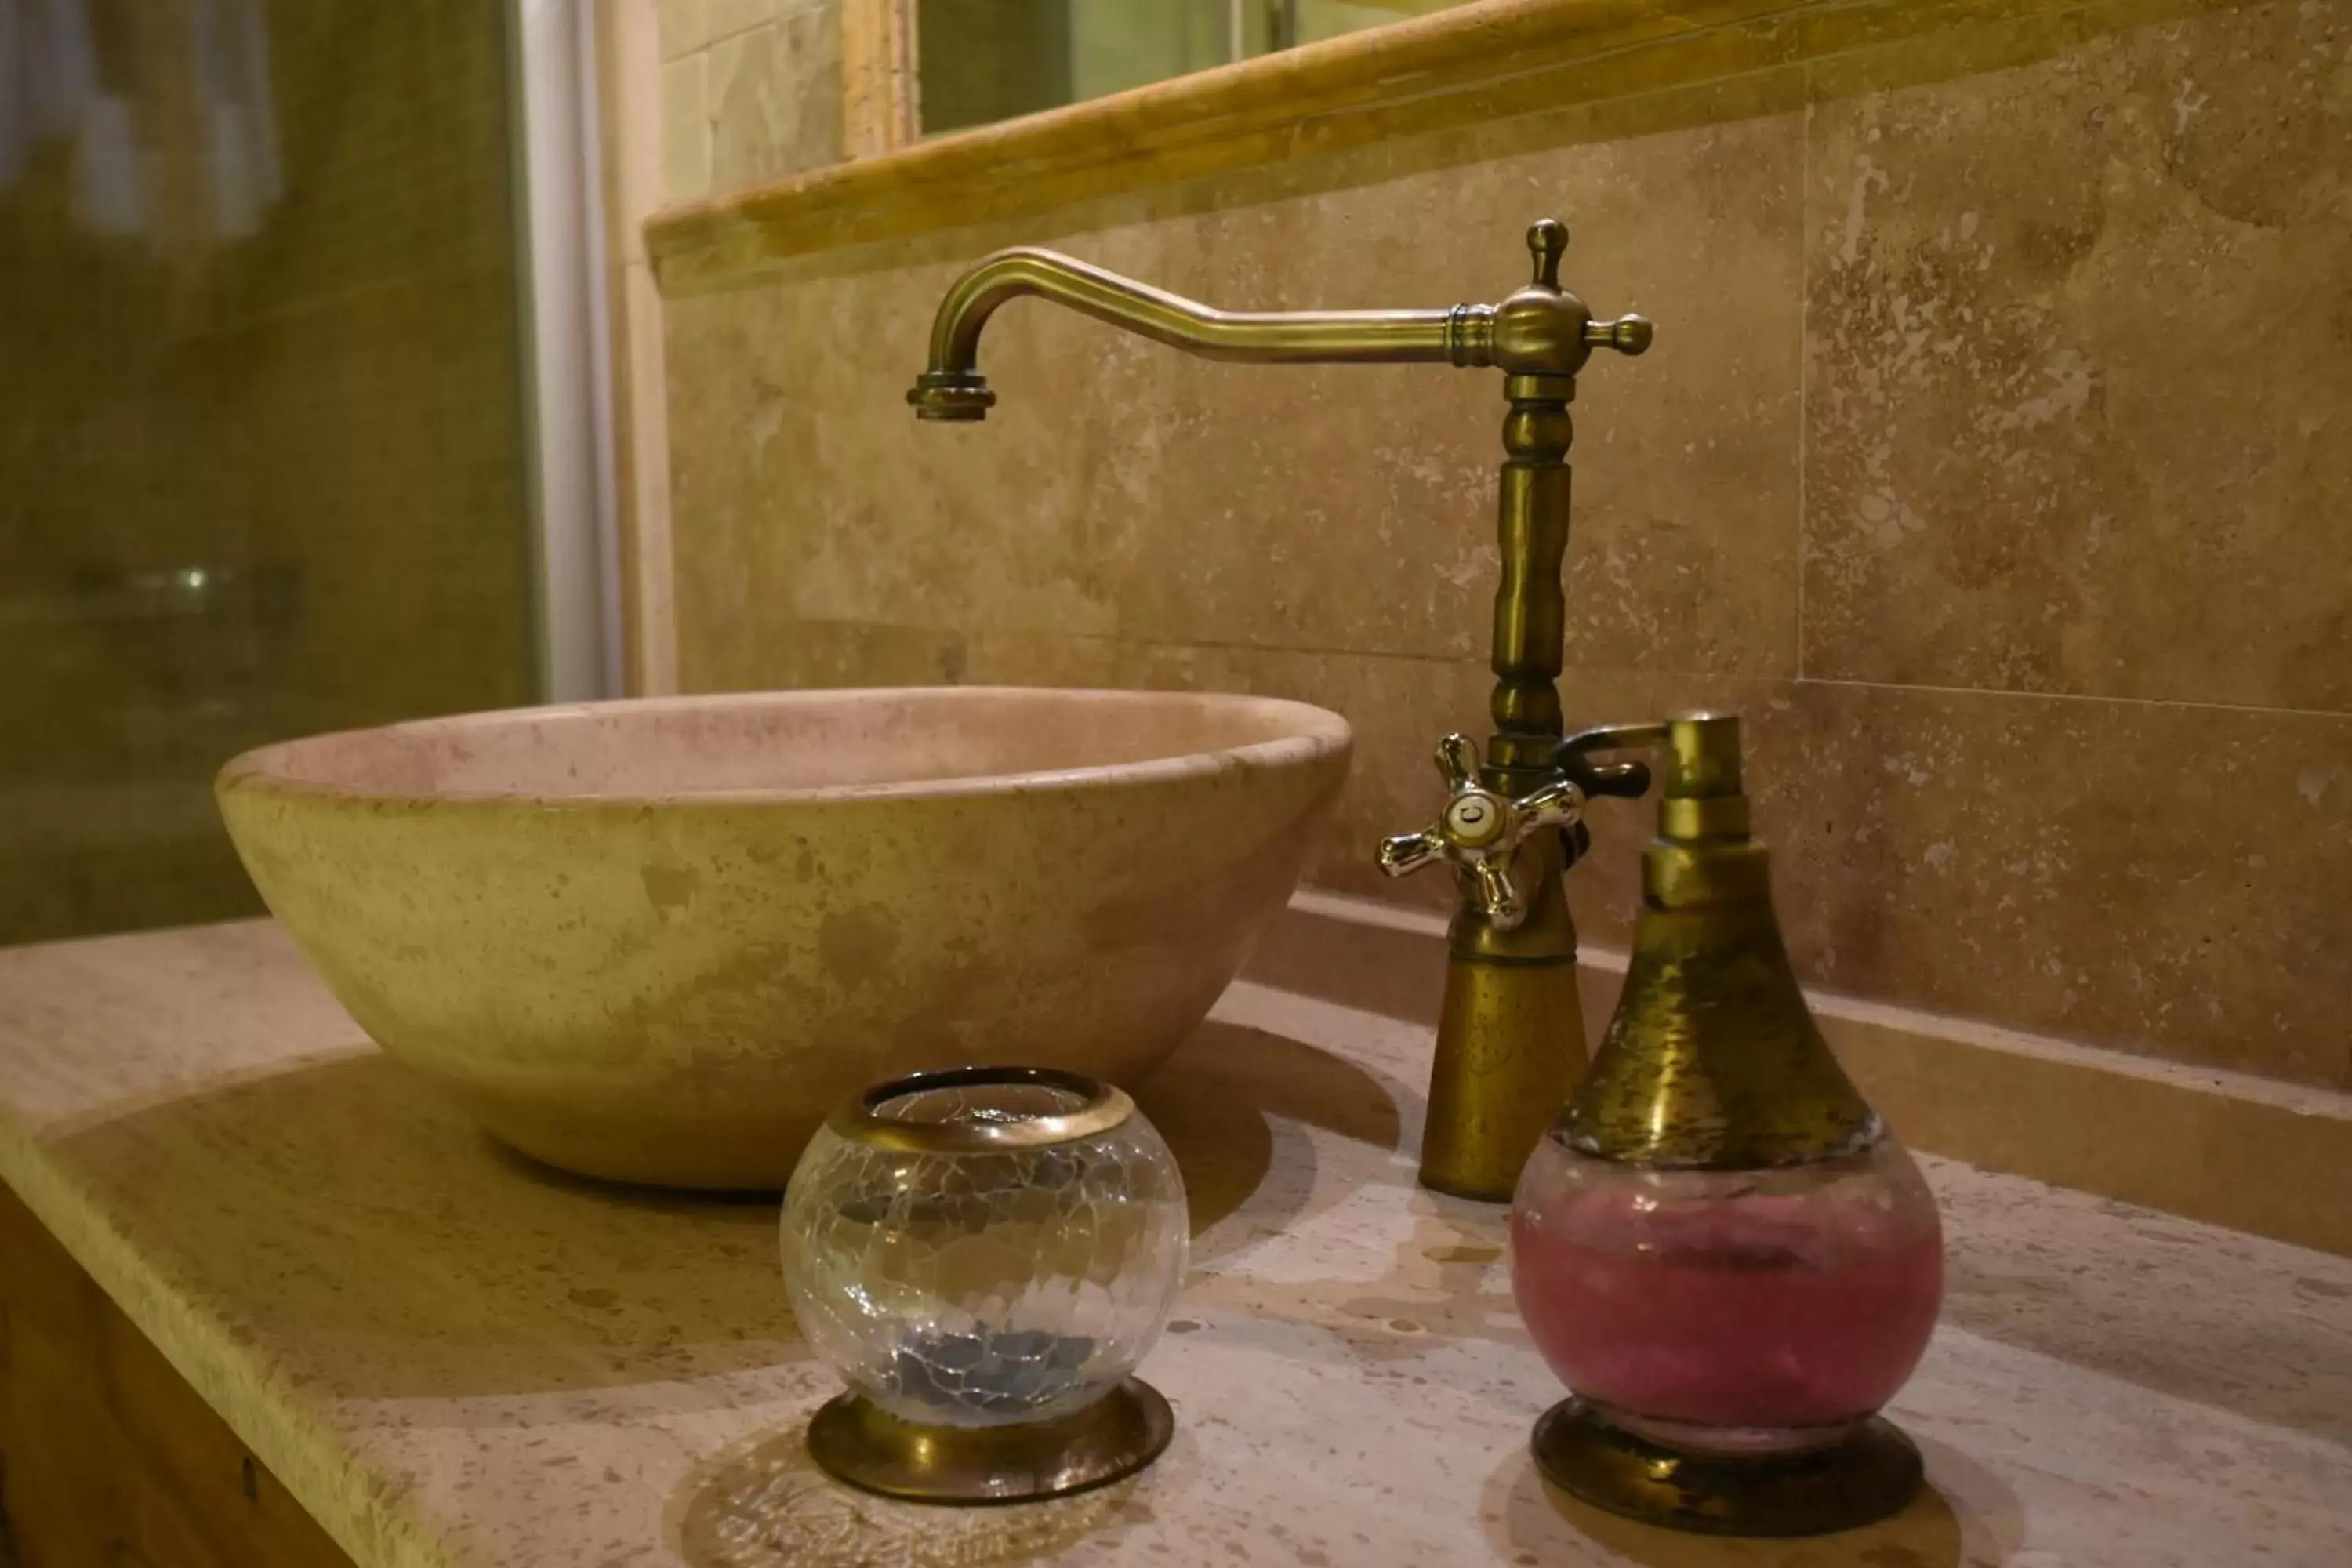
pixel 2155 876
pixel 684 26
pixel 2038 413
pixel 1168 499
pixel 746 109
pixel 808 53
pixel 2081 345
pixel 751 91
pixel 1357 503
pixel 1969 852
pixel 686 128
pixel 1014 525
pixel 728 18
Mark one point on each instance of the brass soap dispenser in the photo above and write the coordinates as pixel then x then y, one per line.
pixel 1718 1248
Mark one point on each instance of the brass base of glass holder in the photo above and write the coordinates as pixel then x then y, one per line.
pixel 1853 1481
pixel 855 1441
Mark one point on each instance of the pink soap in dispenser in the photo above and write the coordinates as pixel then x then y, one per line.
pixel 1718 1248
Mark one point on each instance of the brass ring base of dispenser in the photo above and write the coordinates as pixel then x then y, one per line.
pixel 855 1441
pixel 1858 1480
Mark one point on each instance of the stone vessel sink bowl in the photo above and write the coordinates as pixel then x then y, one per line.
pixel 656 940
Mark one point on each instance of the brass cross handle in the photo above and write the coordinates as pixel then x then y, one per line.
pixel 1626 334
pixel 1480 831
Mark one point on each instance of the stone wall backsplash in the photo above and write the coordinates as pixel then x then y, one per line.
pixel 1995 457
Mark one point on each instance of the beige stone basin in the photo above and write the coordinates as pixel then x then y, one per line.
pixel 657 941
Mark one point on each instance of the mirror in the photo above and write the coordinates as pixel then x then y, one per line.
pixel 978 62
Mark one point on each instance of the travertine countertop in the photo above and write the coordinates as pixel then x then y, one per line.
pixel 454 1358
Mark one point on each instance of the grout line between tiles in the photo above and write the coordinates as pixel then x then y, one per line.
pixel 2264 708
pixel 1804 334
pixel 1398 656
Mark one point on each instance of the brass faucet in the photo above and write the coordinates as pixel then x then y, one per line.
pixel 1510 1038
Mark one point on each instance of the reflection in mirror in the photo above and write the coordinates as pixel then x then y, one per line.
pixel 985 60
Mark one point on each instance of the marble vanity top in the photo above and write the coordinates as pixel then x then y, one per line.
pixel 452 1357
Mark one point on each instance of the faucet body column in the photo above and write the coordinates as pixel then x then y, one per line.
pixel 1510 1035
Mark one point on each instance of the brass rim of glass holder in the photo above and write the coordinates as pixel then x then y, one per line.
pixel 855 1441
pixel 1852 1483
pixel 1102 1107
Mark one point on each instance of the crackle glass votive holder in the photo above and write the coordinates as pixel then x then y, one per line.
pixel 984 1255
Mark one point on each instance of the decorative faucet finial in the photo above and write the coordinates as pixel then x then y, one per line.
pixel 1548 242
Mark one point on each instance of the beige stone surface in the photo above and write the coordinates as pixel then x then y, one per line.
pixel 2064 752
pixel 2163 877
pixel 658 941
pixel 456 1359
pixel 775 97
pixel 728 17
pixel 1297 506
pixel 685 25
pixel 750 92
pixel 686 127
pixel 2080 390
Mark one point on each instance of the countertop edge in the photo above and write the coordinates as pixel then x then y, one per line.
pixel 309 1459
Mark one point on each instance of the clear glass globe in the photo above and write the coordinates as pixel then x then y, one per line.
pixel 1729 1312
pixel 985 1246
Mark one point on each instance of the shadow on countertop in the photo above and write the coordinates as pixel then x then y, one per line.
pixel 765 1504
pixel 353 1225
pixel 356 1227
pixel 1962 1515
pixel 1215 1102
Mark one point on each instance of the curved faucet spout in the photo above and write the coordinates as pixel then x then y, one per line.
pixel 1510 1037
pixel 954 388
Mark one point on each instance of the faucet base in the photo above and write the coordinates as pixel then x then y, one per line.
pixel 1510 1042
pixel 1510 1050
